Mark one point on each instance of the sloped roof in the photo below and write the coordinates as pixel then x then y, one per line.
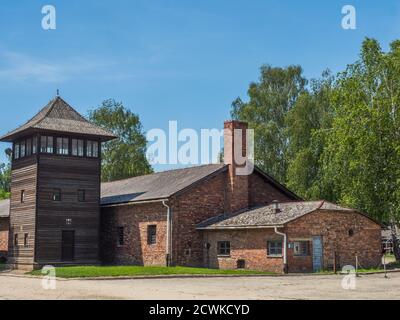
pixel 160 185
pixel 266 216
pixel 59 116
pixel 4 208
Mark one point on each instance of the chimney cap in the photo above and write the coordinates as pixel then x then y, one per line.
pixel 275 204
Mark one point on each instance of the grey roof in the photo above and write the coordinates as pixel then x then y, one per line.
pixel 266 216
pixel 4 208
pixel 159 185
pixel 59 116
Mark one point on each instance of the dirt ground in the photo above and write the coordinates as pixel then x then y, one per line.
pixel 287 287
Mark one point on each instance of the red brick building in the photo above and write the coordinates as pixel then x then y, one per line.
pixel 207 216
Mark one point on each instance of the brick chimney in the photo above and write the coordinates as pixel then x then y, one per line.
pixel 235 144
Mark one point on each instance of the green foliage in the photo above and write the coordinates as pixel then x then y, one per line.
pixel 336 139
pixel 126 156
pixel 362 154
pixel 308 124
pixel 270 100
pixel 5 180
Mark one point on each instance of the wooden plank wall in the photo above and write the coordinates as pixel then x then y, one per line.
pixel 68 174
pixel 22 215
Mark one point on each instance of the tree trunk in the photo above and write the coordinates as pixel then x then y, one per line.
pixel 395 239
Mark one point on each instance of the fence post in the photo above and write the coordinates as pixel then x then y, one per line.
pixel 356 266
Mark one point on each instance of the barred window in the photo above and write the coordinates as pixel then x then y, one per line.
pixel 152 234
pixel 120 236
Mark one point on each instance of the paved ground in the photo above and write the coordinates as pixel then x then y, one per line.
pixel 288 287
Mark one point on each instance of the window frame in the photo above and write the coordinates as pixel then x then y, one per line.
pixel 275 247
pixel 64 149
pixel 92 148
pixel 224 248
pixel 81 199
pixel 26 239
pixel 56 191
pixel 22 196
pixel 17 148
pixel 22 150
pixel 297 245
pixel 152 234
pixel 120 236
pixel 48 144
pixel 16 244
pixel 78 149
pixel 28 147
pixel 34 145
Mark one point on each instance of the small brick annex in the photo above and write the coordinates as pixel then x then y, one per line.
pixel 187 235
pixel 4 225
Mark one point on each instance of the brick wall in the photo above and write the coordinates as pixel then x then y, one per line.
pixel 203 201
pixel 262 193
pixel 4 225
pixel 249 245
pixel 238 185
pixel 135 220
pixel 334 228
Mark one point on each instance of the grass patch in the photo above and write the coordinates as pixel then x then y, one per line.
pixel 116 271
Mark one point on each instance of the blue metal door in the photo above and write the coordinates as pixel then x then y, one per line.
pixel 317 253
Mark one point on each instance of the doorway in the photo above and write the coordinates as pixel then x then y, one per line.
pixel 67 245
pixel 317 253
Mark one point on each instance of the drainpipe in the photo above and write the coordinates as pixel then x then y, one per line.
pixel 168 241
pixel 285 265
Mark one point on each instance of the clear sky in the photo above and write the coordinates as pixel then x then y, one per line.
pixel 171 60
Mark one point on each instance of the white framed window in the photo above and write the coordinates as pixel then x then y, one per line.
pixel 274 248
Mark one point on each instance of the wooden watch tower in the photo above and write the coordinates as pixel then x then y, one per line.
pixel 55 188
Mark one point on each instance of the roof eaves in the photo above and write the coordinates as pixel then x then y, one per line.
pixel 266 226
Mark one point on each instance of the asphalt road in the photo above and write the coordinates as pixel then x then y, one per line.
pixel 287 287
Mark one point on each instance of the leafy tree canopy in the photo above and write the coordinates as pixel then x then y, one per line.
pixel 126 156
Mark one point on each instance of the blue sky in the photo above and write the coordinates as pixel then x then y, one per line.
pixel 171 60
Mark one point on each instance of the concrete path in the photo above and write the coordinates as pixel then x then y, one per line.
pixel 288 287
